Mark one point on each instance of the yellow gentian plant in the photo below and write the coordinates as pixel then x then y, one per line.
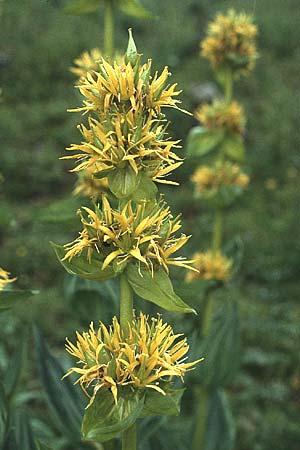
pixel 127 369
pixel 230 47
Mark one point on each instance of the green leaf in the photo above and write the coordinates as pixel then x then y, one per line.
pixel 16 363
pixel 201 140
pixel 146 190
pixel 221 348
pixel 157 404
pixel 123 182
pixel 78 7
pixel 134 8
pixel 13 297
pixel 3 415
pixel 81 267
pixel 220 428
pixel 105 420
pixel 23 432
pixel 63 398
pixel 234 148
pixel 42 446
pixel 157 289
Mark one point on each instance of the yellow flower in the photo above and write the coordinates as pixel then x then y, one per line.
pixel 122 142
pixel 126 126
pixel 221 174
pixel 230 42
pixel 89 186
pixel 210 266
pixel 4 279
pixel 149 356
pixel 220 115
pixel 86 62
pixel 144 233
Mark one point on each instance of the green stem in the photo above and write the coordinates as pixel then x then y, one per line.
pixel 217 231
pixel 228 89
pixel 129 438
pixel 109 28
pixel 126 303
pixel 202 393
pixel 202 400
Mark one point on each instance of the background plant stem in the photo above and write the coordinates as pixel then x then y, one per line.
pixel 109 28
pixel 203 393
pixel 129 438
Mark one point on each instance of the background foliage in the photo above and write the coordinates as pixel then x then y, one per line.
pixel 37 46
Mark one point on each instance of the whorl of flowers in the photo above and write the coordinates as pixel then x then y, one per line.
pixel 86 62
pixel 89 186
pixel 143 233
pixel 220 174
pixel 126 127
pixel 230 43
pixel 222 116
pixel 210 266
pixel 5 279
pixel 149 355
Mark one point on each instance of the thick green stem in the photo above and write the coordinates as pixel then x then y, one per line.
pixel 129 438
pixel 126 303
pixel 109 28
pixel 217 231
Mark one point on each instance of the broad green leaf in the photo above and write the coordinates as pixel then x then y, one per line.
pixel 63 398
pixel 221 348
pixel 59 211
pixel 78 7
pixel 23 432
pixel 220 428
pixel 3 415
pixel 234 148
pixel 81 267
pixel 13 297
pixel 105 420
pixel 134 8
pixel 90 298
pixel 157 404
pixel 123 182
pixel 146 189
pixel 13 373
pixel 201 140
pixel 42 446
pixel 157 289
pixel 222 197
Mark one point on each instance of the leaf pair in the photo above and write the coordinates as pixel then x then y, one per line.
pixel 104 420
pixel 156 288
pixel 132 8
pixel 202 141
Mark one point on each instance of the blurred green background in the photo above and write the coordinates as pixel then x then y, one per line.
pixel 37 46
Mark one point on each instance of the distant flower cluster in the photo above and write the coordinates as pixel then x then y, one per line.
pixel 230 43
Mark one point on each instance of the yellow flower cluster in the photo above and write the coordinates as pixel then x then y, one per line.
pixel 210 266
pixel 143 233
pixel 126 127
pixel 89 186
pixel 230 42
pixel 86 62
pixel 149 355
pixel 222 116
pixel 221 174
pixel 4 279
